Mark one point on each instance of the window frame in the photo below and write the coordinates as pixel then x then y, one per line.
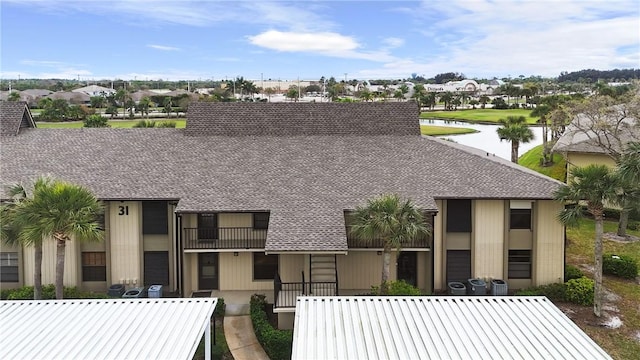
pixel 259 273
pixel 9 260
pixel 521 261
pixel 260 223
pixel 93 272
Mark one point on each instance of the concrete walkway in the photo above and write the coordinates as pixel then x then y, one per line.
pixel 242 342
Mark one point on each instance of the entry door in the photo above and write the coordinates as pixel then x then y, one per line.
pixel 207 271
pixel 408 267
pixel 156 268
pixel 458 265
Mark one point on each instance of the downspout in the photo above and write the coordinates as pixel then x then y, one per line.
pixel 433 258
pixel 179 254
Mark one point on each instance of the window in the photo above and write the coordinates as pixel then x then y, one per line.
pixel 207 227
pixel 155 220
pixel 265 267
pixel 459 216
pixel 261 220
pixel 9 267
pixel 519 264
pixel 520 219
pixel 94 266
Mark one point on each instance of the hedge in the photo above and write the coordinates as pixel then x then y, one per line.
pixel 619 265
pixel 277 344
pixel 49 292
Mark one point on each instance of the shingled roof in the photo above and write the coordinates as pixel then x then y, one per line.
pixel 14 115
pixel 294 119
pixel 305 181
pixel 602 135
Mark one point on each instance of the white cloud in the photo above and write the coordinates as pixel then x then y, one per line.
pixel 393 42
pixel 323 43
pixel 163 47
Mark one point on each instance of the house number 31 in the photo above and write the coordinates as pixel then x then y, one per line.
pixel 123 210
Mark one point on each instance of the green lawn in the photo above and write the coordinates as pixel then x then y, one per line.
pixel 432 130
pixel 180 123
pixel 531 159
pixel 480 115
pixel 619 343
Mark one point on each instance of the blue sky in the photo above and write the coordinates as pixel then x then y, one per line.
pixel 190 40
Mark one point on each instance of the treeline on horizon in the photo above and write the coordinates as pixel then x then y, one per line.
pixel 581 76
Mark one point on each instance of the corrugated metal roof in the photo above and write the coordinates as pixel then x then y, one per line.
pixel 437 327
pixel 103 328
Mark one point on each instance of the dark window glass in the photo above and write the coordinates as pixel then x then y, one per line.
pixel 9 267
pixel 94 266
pixel 459 216
pixel 261 220
pixel 155 220
pixel 520 264
pixel 520 219
pixel 207 227
pixel 265 267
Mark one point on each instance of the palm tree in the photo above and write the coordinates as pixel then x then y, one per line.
pixel 61 211
pixel 515 130
pixel 593 186
pixel 392 220
pixel 10 234
pixel 628 171
pixel 484 99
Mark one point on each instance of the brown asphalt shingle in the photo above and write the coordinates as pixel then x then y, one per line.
pixel 305 181
pixel 13 116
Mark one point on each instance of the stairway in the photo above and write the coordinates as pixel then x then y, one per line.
pixel 323 275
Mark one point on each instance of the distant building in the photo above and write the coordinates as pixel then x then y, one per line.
pixel 95 90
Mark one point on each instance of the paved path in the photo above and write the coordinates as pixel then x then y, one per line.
pixel 241 339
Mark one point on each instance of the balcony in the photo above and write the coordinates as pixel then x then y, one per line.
pixel 355 243
pixel 224 238
pixel 286 293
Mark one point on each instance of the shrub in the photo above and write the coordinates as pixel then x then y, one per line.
pixel 580 291
pixel 96 121
pixel 49 292
pixel 276 343
pixel 633 225
pixel 555 291
pixel 572 272
pixel 166 124
pixel 145 124
pixel 398 288
pixel 622 266
pixel 220 308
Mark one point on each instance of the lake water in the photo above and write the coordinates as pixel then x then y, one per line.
pixel 486 138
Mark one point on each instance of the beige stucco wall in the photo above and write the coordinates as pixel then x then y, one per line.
pixel 488 243
pixel 236 273
pixel 360 269
pixel 71 263
pixel 548 246
pixel 125 244
pixel 575 159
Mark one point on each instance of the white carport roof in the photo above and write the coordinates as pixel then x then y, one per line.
pixel 163 328
pixel 437 327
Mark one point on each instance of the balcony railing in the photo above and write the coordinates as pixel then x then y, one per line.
pixel 355 243
pixel 224 238
pixel 286 293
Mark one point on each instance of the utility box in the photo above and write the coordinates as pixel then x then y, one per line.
pixel 477 287
pixel 155 291
pixel 499 287
pixel 457 288
pixel 116 290
pixel 134 293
